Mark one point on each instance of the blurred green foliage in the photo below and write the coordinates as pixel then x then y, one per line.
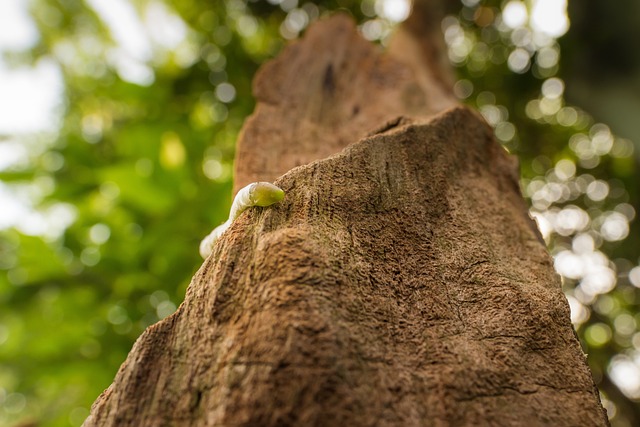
pixel 140 170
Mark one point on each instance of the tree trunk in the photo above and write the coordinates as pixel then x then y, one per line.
pixel 400 282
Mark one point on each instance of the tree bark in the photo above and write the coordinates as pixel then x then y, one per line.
pixel 401 281
pixel 329 90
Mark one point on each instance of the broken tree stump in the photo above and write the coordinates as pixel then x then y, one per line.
pixel 400 283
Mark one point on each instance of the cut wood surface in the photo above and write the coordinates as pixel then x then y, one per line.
pixel 401 281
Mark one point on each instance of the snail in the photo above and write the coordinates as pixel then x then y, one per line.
pixel 254 194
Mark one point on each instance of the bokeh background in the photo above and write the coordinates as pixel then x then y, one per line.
pixel 118 121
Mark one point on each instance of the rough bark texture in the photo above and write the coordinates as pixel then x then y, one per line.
pixel 400 283
pixel 328 91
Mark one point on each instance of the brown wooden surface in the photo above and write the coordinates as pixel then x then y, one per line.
pixel 400 283
pixel 323 93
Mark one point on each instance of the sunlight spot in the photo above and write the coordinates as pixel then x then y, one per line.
pixel 117 315
pixel 287 5
pixel 583 243
pixel 553 88
pixel 598 280
pixel 393 10
pixel 622 148
pixel 247 26
pixel 565 169
pixel 615 227
pixel 567 116
pixel 164 27
pixel 625 373
pixel 569 265
pixel 515 14
pixel 625 324
pixel 157 297
pixel 569 220
pixel 225 92
pixel 110 190
pixel 627 210
pixel 598 334
pixel 131 70
pixel 532 109
pixel 372 30
pixel 605 305
pixel 165 308
pixel 598 190
pixel 92 125
pixel 18 31
pixel 134 47
pixel 519 61
pixel 90 256
pixel 30 98
pixel 13 154
pixel 601 139
pixel 547 57
pixel 212 168
pixel 634 276
pixel 550 17
pixel 463 89
pixel 491 114
pixel 296 21
pixel 17 211
pixel 99 233
pixel 579 313
pixel 126 28
pixel 505 131
pixel 550 106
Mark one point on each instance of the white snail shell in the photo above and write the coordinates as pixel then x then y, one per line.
pixel 254 194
